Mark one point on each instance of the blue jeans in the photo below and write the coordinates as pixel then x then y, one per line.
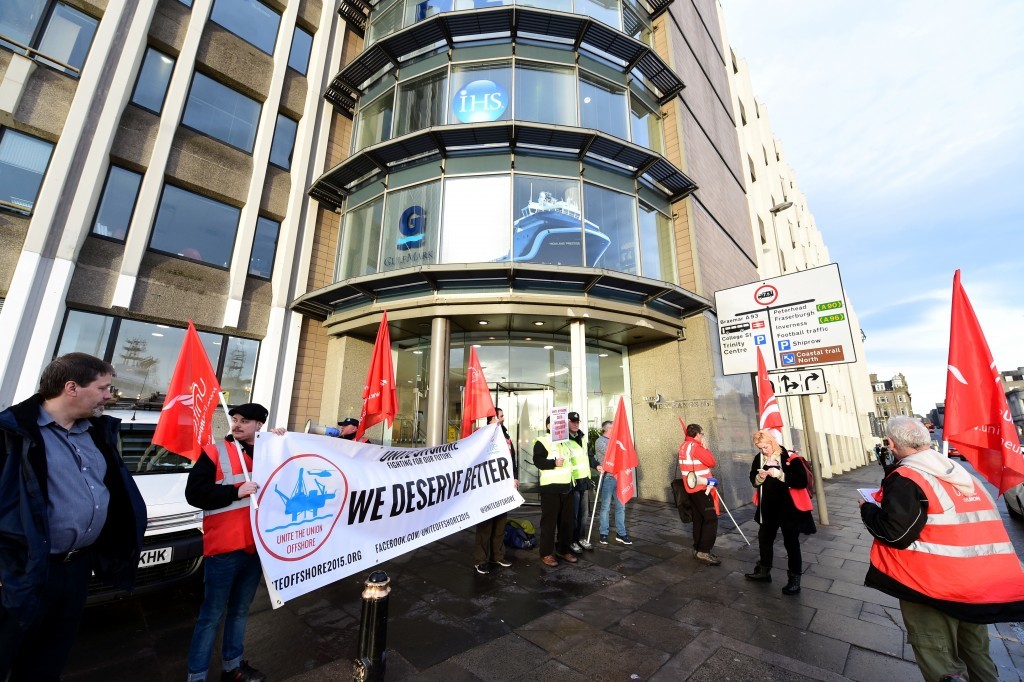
pixel 605 500
pixel 230 581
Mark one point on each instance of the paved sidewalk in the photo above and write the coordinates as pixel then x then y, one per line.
pixel 650 611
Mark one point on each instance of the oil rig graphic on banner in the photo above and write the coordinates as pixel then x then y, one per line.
pixel 304 501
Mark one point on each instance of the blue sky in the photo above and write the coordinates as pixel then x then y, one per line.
pixel 904 123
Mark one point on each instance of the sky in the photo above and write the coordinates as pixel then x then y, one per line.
pixel 904 124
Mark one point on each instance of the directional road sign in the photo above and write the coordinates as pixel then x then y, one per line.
pixel 797 381
pixel 798 321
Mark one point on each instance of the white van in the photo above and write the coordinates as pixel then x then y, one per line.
pixel 173 547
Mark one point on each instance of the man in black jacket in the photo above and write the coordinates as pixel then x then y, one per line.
pixel 68 508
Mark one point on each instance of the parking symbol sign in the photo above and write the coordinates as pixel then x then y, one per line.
pixel 760 339
pixel 784 344
pixel 788 358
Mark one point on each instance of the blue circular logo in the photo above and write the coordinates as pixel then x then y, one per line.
pixel 480 101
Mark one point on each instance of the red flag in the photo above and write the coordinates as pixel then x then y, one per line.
pixel 478 402
pixel 978 419
pixel 186 420
pixel 767 405
pixel 379 400
pixel 620 459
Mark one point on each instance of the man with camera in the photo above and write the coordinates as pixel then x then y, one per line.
pixel 941 549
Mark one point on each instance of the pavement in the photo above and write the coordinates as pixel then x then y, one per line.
pixel 651 612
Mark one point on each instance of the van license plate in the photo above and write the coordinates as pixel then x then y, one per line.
pixel 157 555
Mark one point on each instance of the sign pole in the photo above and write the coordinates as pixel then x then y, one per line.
pixel 815 455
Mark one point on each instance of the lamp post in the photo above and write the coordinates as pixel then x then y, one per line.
pixel 806 417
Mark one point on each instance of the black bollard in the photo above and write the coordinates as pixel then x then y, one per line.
pixel 373 630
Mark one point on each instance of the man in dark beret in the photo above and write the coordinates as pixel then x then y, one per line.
pixel 218 486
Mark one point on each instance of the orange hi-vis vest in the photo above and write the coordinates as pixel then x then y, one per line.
pixel 228 529
pixel 963 554
pixel 690 462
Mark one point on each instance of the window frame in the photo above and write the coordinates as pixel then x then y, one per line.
pixel 273 139
pixel 99 205
pixel 198 261
pixel 10 206
pixel 273 252
pixel 39 32
pixel 138 78
pixel 188 99
pixel 277 31
pixel 291 50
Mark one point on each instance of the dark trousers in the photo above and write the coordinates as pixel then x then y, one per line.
pixel 40 653
pixel 556 513
pixel 705 521
pixel 790 538
pixel 490 540
pixel 580 513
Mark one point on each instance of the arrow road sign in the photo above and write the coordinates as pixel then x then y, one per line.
pixel 789 381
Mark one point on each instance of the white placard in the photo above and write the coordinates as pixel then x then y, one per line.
pixel 559 424
pixel 799 320
pixel 330 507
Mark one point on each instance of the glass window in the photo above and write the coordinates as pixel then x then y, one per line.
pixel 18 21
pixel 556 5
pixel 360 245
pixel 154 76
pixel 421 103
pixel 545 94
pixel 547 225
pixel 603 106
pixel 221 113
pixel 384 21
pixel 609 228
pixel 85 333
pixel 302 44
pixel 657 248
pixel 187 3
pixel 264 245
pixel 284 142
pixel 117 203
pixel 475 221
pixel 480 93
pixel 67 36
pixel 647 129
pixel 194 227
pixel 424 9
pixel 250 20
pixel 605 11
pixel 637 23
pixel 373 122
pixel 411 227
pixel 145 355
pixel 239 369
pixel 23 161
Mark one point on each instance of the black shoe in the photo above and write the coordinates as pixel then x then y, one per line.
pixel 603 540
pixel 624 539
pixel 761 574
pixel 483 569
pixel 243 673
pixel 504 563
pixel 793 586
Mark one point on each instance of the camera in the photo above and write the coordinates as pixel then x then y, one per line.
pixel 884 456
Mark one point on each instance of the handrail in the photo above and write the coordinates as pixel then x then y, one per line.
pixel 15 207
pixel 30 51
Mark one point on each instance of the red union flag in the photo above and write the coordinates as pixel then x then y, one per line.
pixel 379 400
pixel 478 398
pixel 185 424
pixel 620 459
pixel 767 405
pixel 978 421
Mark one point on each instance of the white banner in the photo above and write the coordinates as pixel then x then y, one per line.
pixel 330 507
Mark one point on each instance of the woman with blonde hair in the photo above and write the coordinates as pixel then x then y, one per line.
pixel 780 482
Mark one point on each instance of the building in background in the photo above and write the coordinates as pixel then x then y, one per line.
pixel 787 240
pixel 1013 386
pixel 892 399
pixel 533 180
pixel 154 162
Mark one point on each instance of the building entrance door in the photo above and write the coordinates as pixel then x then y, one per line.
pixel 526 406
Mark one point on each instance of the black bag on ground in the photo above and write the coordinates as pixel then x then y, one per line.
pixel 682 499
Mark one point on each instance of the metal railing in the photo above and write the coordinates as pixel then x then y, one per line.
pixel 36 55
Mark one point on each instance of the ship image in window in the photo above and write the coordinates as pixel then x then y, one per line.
pixel 303 501
pixel 549 232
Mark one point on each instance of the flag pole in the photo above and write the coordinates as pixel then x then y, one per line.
pixel 590 531
pixel 241 453
pixel 733 521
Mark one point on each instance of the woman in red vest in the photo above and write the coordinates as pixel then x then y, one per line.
pixel 783 504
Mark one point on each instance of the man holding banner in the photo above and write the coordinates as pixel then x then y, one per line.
pixel 217 485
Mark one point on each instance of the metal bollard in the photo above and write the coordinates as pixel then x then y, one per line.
pixel 373 629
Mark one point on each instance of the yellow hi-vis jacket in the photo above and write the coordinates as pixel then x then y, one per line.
pixel 579 459
pixel 559 475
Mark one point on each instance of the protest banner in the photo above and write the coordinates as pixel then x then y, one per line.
pixel 330 507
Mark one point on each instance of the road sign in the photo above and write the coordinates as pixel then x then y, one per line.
pixel 798 321
pixel 797 382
